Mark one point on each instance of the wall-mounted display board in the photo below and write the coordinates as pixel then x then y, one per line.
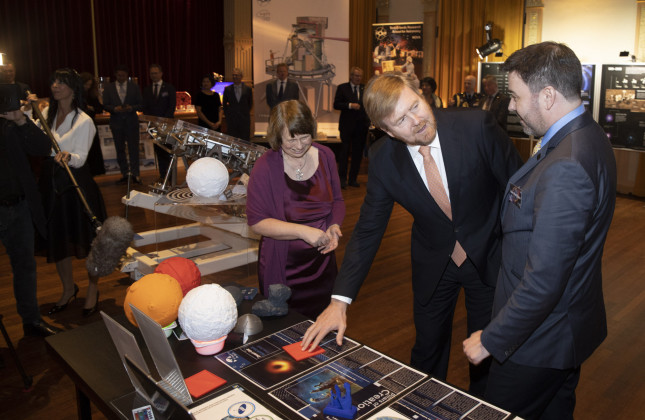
pixel 622 104
pixel 514 128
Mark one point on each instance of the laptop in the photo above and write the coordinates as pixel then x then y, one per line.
pixel 171 377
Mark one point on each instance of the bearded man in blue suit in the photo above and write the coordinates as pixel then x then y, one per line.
pixel 549 312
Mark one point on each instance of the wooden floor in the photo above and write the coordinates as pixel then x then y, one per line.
pixel 611 386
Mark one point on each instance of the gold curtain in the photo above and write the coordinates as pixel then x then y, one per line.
pixel 461 31
pixel 362 14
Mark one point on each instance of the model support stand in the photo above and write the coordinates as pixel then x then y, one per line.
pixel 341 405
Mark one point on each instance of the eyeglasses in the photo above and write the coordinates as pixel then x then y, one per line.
pixel 303 138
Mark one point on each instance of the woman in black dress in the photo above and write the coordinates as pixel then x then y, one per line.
pixel 69 230
pixel 208 105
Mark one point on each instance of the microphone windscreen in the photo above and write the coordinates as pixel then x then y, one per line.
pixel 109 245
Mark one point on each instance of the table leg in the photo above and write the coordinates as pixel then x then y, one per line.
pixel 83 405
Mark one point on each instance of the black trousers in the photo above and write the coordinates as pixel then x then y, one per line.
pixel 433 322
pixel 126 132
pixel 533 392
pixel 353 142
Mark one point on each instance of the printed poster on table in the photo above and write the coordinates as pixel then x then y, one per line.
pixel 265 363
pixel 435 400
pixel 375 380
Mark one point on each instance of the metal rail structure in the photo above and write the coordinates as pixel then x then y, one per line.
pixel 305 56
pixel 189 141
pixel 221 220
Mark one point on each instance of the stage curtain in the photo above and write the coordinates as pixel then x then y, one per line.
pixel 184 36
pixel 362 14
pixel 42 36
pixel 461 31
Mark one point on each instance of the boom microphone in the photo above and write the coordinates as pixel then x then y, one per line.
pixel 110 243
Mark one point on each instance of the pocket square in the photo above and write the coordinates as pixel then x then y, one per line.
pixel 515 196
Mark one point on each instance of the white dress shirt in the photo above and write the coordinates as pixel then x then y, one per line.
pixel 417 158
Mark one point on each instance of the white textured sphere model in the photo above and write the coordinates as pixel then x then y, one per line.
pixel 207 177
pixel 207 312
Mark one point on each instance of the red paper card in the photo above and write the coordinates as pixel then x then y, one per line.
pixel 295 351
pixel 202 383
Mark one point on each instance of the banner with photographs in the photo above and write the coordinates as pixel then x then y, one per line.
pixel 622 105
pixel 398 47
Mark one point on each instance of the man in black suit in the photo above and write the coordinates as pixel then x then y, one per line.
pixel 448 169
pixel 352 124
pixel 21 211
pixel 238 102
pixel 159 100
pixel 282 89
pixel 494 101
pixel 122 99
pixel 549 311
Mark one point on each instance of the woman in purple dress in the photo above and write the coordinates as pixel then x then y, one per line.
pixel 295 203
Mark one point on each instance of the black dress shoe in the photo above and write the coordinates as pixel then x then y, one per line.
pixel 58 308
pixel 122 181
pixel 343 184
pixel 40 329
pixel 137 180
pixel 353 184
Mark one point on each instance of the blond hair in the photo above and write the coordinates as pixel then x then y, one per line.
pixel 382 94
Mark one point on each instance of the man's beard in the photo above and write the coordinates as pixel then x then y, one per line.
pixel 430 133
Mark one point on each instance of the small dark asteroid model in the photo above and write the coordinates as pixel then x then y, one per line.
pixel 276 304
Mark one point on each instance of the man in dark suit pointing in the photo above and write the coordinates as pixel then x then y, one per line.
pixel 352 124
pixel 549 312
pixel 448 169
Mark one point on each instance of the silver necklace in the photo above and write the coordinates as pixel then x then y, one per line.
pixel 299 171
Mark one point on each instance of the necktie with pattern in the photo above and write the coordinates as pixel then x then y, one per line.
pixel 537 147
pixel 438 192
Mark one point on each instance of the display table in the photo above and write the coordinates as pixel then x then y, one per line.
pixel 380 386
pixel 89 358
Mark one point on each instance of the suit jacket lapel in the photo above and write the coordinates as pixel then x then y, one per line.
pixel 573 125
